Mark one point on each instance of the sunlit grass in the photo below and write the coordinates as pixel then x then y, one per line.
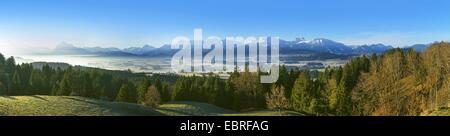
pixel 67 106
pixel 79 106
pixel 191 109
pixel 266 113
pixel 440 112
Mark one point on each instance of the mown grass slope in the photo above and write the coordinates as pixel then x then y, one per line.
pixel 445 111
pixel 191 109
pixel 68 106
pixel 79 106
pixel 266 113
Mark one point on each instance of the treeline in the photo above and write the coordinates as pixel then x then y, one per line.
pixel 398 82
pixel 403 82
pixel 242 91
pixel 310 92
pixel 122 86
pixel 305 91
pixel 24 79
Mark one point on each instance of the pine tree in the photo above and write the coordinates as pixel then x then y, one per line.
pixel 16 85
pixel 36 83
pixel 301 96
pixel 142 90
pixel 313 107
pixel 25 71
pixel 123 95
pixel 127 93
pixel 3 89
pixel 47 73
pixel 276 99
pixel 158 85
pixel 10 66
pixel 152 97
pixel 166 92
pixel 220 95
pixel 181 90
pixel 107 91
pixel 87 86
pixel 333 89
pixel 2 59
pixel 2 66
pixel 64 88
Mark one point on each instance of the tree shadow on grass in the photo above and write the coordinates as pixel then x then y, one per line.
pixel 178 112
pixel 8 97
pixel 39 97
pixel 85 101
pixel 121 108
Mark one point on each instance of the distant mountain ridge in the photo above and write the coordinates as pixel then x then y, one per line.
pixel 420 47
pixel 298 46
pixel 319 45
pixel 330 46
pixel 373 48
pixel 139 50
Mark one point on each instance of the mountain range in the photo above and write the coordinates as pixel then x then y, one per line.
pixel 298 46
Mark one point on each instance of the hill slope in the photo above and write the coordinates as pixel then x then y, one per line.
pixel 444 111
pixel 79 106
pixel 68 106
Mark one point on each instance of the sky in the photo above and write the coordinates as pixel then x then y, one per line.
pixel 123 23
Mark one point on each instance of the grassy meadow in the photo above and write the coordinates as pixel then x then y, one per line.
pixel 38 105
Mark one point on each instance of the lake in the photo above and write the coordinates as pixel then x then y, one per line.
pixel 136 64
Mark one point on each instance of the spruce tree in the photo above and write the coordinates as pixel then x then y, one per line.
pixel 300 93
pixel 142 90
pixel 123 95
pixel 152 97
pixel 36 83
pixel 16 84
pixel 2 89
pixel 10 66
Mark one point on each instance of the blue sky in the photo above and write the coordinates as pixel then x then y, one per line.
pixel 124 23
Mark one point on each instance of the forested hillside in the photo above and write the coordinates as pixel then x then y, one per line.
pixel 405 83
pixel 398 82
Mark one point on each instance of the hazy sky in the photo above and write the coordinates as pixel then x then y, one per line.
pixel 124 23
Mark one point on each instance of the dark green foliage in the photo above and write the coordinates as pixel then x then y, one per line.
pixel 25 79
pixel 302 92
pixel 242 91
pixel 202 89
pixel 287 79
pixel 10 66
pixel 399 82
pixel 2 60
pixel 142 90
pixel 36 83
pixel 127 93
pixel 3 89
pixel 166 92
pixel 16 85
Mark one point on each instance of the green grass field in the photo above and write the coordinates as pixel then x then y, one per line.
pixel 79 106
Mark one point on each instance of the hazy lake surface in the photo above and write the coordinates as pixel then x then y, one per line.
pixel 136 64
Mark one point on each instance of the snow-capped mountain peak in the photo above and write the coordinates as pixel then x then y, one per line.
pixel 301 40
pixel 323 41
pixel 65 45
